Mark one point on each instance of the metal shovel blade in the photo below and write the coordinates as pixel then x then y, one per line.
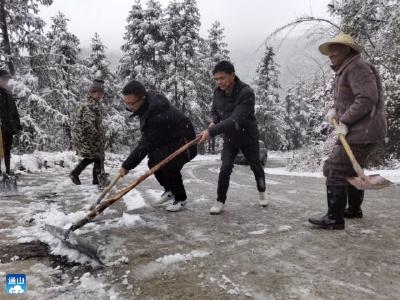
pixel 371 182
pixel 75 242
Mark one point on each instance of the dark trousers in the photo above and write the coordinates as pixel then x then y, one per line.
pixel 97 168
pixel 229 152
pixel 7 144
pixel 171 179
pixel 338 166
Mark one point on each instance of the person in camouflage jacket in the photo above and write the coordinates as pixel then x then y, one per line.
pixel 89 136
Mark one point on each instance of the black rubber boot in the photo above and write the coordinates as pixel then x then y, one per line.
pixel 355 198
pixel 334 219
pixel 74 175
pixel 96 173
pixel 75 178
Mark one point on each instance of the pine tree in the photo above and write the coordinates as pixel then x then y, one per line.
pixel 269 110
pixel 217 44
pixel 51 95
pixel 182 40
pixel 21 28
pixel 144 44
pixel 132 48
pixel 97 60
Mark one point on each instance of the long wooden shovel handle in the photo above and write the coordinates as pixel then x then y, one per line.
pixel 349 152
pixel 106 190
pixel 110 201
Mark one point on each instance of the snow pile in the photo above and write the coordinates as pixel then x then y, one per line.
pixel 176 258
pixel 134 200
pixel 128 220
pixel 50 161
pixel 95 288
pixel 165 263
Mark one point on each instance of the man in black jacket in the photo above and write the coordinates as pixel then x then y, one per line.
pixel 233 116
pixel 164 130
pixel 9 118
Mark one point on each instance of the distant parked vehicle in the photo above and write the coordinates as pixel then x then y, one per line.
pixel 241 160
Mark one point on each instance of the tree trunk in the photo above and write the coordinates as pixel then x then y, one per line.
pixel 6 39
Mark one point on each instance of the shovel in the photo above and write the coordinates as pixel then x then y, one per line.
pixel 75 242
pixel 105 192
pixel 362 181
pixel 9 182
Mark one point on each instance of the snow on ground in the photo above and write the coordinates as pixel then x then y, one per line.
pixel 155 245
pixel 392 175
pixel 166 263
pixel 284 172
pixel 72 201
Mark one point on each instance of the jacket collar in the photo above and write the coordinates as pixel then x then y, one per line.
pixel 238 84
pixel 91 101
pixel 144 108
pixel 346 63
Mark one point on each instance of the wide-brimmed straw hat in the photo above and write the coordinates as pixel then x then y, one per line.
pixel 343 39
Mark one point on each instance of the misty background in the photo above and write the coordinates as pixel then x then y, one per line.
pixel 246 24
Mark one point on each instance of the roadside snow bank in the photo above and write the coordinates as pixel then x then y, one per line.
pixel 40 161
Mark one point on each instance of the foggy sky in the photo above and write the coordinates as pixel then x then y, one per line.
pixel 246 22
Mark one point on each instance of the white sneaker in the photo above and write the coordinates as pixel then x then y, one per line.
pixel 217 208
pixel 166 196
pixel 176 206
pixel 263 201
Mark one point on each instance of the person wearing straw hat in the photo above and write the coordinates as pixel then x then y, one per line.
pixel 360 111
pixel 9 118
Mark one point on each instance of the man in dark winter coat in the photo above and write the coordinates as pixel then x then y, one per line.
pixel 9 118
pixel 164 130
pixel 360 110
pixel 89 138
pixel 233 116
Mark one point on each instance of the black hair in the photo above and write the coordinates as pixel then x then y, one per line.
pixel 134 88
pixel 4 73
pixel 224 66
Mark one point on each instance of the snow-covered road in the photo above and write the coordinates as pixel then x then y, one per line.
pixel 245 253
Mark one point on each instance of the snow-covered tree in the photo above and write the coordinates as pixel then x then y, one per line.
pixel 48 93
pixel 21 29
pixel 144 43
pixel 269 109
pixel 216 41
pixel 97 60
pixel 182 24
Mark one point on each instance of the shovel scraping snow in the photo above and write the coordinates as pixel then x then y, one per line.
pixel 87 248
pixel 362 181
